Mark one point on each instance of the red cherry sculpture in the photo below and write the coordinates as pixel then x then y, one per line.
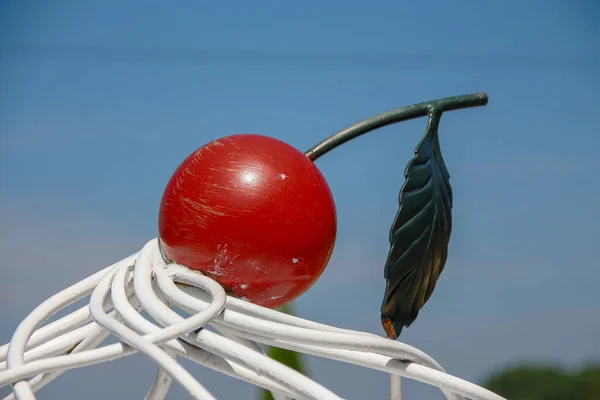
pixel 252 212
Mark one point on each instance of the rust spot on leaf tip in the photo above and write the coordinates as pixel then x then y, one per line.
pixel 389 329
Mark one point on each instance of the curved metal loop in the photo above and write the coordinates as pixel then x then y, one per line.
pixel 37 355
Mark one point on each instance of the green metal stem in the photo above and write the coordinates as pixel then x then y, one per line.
pixel 394 116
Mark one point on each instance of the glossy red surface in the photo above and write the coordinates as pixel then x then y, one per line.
pixel 252 212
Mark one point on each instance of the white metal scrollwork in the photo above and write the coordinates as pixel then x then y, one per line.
pixel 36 354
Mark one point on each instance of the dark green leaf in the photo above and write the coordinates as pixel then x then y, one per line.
pixel 419 235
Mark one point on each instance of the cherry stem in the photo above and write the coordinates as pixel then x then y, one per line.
pixel 398 115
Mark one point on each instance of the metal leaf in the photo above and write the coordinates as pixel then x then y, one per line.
pixel 420 234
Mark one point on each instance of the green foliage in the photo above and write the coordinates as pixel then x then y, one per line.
pixel 536 382
pixel 586 384
pixel 287 357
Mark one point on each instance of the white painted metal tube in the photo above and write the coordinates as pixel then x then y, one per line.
pixel 38 354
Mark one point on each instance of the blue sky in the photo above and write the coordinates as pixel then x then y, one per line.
pixel 100 101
